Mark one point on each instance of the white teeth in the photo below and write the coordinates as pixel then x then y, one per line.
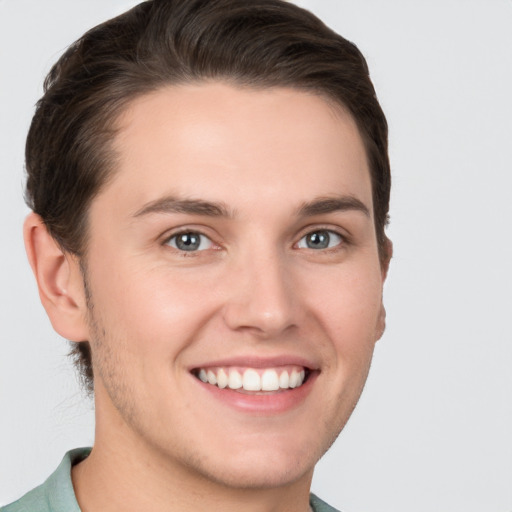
pixel 222 379
pixel 294 379
pixel 251 381
pixel 212 378
pixel 235 380
pixel 270 380
pixel 284 380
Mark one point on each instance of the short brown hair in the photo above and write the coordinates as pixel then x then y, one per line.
pixel 258 43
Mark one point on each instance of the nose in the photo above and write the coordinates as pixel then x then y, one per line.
pixel 261 296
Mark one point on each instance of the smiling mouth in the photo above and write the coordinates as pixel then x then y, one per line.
pixel 254 379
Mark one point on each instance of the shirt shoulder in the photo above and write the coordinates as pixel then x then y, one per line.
pixel 320 506
pixel 34 501
pixel 56 494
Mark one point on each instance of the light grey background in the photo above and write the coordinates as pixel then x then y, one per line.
pixel 433 430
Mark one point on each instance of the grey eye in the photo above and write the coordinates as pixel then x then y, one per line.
pixel 321 239
pixel 190 241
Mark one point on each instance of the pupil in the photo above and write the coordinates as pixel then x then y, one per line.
pixel 318 240
pixel 188 241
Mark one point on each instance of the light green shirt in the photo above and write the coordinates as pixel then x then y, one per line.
pixel 57 494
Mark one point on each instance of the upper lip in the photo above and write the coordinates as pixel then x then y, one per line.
pixel 252 361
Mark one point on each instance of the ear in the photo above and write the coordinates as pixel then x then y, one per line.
pixel 59 280
pixel 386 258
pixel 381 320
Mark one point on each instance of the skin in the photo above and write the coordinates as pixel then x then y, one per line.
pixel 254 291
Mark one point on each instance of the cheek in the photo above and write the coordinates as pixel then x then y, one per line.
pixel 349 309
pixel 154 308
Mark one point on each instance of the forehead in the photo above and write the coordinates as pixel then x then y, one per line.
pixel 239 145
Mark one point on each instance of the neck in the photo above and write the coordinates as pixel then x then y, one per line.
pixel 124 473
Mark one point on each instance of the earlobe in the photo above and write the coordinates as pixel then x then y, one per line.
pixel 381 323
pixel 58 279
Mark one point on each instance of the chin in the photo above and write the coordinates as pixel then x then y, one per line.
pixel 258 468
pixel 264 475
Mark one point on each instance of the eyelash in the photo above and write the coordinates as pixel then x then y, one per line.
pixel 342 241
pixel 183 252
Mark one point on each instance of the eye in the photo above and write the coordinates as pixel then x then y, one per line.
pixel 321 239
pixel 190 241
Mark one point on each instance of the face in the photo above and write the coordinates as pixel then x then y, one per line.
pixel 234 280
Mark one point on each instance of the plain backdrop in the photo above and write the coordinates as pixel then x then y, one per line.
pixel 433 429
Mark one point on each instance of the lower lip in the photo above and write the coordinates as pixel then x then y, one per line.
pixel 265 403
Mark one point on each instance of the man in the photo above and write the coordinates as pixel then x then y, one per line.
pixel 210 186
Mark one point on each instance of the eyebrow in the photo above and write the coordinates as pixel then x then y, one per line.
pixel 170 204
pixel 319 206
pixel 325 205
